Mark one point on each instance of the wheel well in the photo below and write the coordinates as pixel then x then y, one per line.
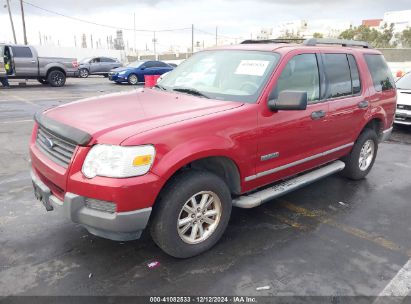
pixel 374 124
pixel 56 69
pixel 221 166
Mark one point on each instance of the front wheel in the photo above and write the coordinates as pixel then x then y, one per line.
pixel 191 214
pixel 362 157
pixel 132 79
pixel 84 73
pixel 56 78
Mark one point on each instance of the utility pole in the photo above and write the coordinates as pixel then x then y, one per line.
pixel 75 41
pixel 24 22
pixel 11 21
pixel 135 34
pixel 192 39
pixel 40 38
pixel 216 35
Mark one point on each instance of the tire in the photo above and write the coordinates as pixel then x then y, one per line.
pixel 56 78
pixel 42 81
pixel 105 75
pixel 132 79
pixel 168 210
pixel 354 168
pixel 84 73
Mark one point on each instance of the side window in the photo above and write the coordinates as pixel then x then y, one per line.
pixel 338 75
pixel 301 74
pixel 22 52
pixel 380 73
pixel 149 64
pixel 104 59
pixel 355 75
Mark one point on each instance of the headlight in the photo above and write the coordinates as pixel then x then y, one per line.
pixel 118 161
pixel 122 73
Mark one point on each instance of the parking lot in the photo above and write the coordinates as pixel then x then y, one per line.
pixel 335 237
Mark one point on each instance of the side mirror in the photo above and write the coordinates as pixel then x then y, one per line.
pixel 142 68
pixel 289 100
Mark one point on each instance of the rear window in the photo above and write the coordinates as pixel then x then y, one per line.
pixel 338 75
pixel 380 73
pixel 22 52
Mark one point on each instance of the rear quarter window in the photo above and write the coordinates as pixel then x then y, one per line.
pixel 380 73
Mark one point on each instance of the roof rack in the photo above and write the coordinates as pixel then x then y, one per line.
pixel 312 42
pixel 342 42
pixel 277 40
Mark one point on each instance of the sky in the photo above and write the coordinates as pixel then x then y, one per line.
pixel 235 19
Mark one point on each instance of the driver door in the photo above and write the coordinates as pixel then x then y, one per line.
pixel 2 68
pixel 292 141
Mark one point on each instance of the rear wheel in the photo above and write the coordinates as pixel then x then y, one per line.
pixel 362 157
pixel 191 214
pixel 132 79
pixel 56 78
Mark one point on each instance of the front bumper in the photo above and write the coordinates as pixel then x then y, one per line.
pixel 385 135
pixel 118 226
pixel 117 77
pixel 403 117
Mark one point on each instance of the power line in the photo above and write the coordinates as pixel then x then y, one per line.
pixel 100 24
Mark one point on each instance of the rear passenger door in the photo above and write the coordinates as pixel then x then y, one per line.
pixel 25 64
pixel 107 64
pixel 345 95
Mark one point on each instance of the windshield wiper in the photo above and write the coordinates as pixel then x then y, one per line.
pixel 191 91
pixel 159 86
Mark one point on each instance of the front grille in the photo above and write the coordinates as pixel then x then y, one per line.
pixel 403 107
pixel 54 147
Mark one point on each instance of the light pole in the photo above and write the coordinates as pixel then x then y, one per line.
pixel 24 22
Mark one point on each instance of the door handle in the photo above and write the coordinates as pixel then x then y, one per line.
pixel 317 115
pixel 363 104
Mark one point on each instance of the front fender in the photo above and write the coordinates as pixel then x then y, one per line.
pixel 170 161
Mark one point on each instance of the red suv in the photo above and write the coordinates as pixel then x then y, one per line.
pixel 232 126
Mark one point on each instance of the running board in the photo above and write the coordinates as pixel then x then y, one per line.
pixel 257 198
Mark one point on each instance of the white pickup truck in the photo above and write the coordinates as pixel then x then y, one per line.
pixel 26 64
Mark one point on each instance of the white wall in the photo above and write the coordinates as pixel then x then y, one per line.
pixel 79 53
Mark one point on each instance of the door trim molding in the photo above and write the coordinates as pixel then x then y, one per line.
pixel 296 163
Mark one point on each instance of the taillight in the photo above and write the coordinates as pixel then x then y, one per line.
pixel 75 64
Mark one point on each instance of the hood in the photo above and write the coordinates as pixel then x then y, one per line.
pixel 134 112
pixel 404 97
pixel 120 69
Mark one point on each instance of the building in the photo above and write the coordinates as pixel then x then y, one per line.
pixel 373 23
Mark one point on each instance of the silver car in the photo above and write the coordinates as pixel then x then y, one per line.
pixel 97 66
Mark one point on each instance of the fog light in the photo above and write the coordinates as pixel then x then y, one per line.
pixel 100 205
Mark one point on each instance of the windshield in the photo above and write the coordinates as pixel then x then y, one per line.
pixel 85 60
pixel 404 83
pixel 135 64
pixel 224 74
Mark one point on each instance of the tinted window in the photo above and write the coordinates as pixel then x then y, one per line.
pixel 107 60
pixel 149 64
pixel 404 83
pixel 300 74
pixel 338 75
pixel 155 64
pixel 355 75
pixel 95 60
pixel 380 73
pixel 22 52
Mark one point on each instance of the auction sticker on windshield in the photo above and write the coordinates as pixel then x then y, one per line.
pixel 252 67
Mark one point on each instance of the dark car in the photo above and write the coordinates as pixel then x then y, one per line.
pixel 134 72
pixel 97 66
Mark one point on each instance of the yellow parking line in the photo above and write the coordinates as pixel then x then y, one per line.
pixel 286 220
pixel 319 216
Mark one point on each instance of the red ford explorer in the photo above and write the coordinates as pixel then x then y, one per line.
pixel 232 126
